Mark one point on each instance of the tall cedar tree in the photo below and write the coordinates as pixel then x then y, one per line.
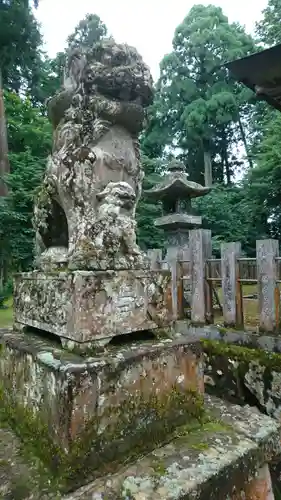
pixel 198 107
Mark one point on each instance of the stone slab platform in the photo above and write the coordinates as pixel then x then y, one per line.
pixel 259 340
pixel 209 473
pixel 92 410
pixel 226 459
pixel 84 307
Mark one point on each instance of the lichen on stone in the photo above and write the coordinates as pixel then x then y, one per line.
pixel 93 177
pixel 93 413
pixel 222 469
pixel 246 374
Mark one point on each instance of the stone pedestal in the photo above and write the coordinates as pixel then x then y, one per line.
pixel 84 412
pixel 89 308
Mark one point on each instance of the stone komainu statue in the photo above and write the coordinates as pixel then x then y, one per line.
pixel 85 209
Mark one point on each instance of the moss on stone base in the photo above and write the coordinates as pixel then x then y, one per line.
pixel 243 354
pixel 132 428
pixel 211 462
pixel 244 375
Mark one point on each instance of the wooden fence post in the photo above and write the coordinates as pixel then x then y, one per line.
pixel 231 287
pixel 200 244
pixel 268 289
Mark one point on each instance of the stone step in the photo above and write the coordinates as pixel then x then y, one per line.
pixel 226 459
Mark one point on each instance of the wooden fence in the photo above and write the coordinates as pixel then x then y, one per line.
pixel 201 285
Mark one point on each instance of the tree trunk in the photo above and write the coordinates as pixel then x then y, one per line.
pixel 4 169
pixel 4 160
pixel 227 170
pixel 1 273
pixel 244 140
pixel 208 169
pixel 225 161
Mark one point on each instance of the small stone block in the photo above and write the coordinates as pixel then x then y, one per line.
pixel 92 307
pixel 95 409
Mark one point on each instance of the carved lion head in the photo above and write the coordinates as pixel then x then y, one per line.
pixel 114 70
pixel 112 75
pixel 118 71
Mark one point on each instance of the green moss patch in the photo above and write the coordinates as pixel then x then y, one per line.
pixel 133 428
pixel 7 314
pixel 243 375
pixel 243 354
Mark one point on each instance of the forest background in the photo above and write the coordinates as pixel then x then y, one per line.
pixel 200 115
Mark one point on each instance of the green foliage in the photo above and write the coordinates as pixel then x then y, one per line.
pixel 268 29
pixel 29 142
pixel 20 41
pixel 147 211
pixel 198 108
pixel 27 128
pixel 5 293
pixel 49 78
pixel 17 212
pixel 6 314
pixel 231 214
pixel 89 30
pixel 265 179
pixel 197 104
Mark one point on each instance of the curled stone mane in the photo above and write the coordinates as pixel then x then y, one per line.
pixel 106 72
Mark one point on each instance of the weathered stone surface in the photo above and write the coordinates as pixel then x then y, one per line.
pixel 20 479
pixel 225 460
pixel 98 409
pixel 244 374
pixel 261 486
pixel 261 340
pixel 112 243
pixel 85 210
pixel 155 258
pixel 84 215
pixel 89 307
pixel 200 244
pixel 268 289
pixel 242 367
pixel 176 186
pixel 23 477
pixel 175 192
pixel 229 254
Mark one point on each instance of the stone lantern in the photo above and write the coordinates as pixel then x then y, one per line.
pixel 176 192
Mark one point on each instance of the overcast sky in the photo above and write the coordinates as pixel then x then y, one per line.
pixel 148 25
